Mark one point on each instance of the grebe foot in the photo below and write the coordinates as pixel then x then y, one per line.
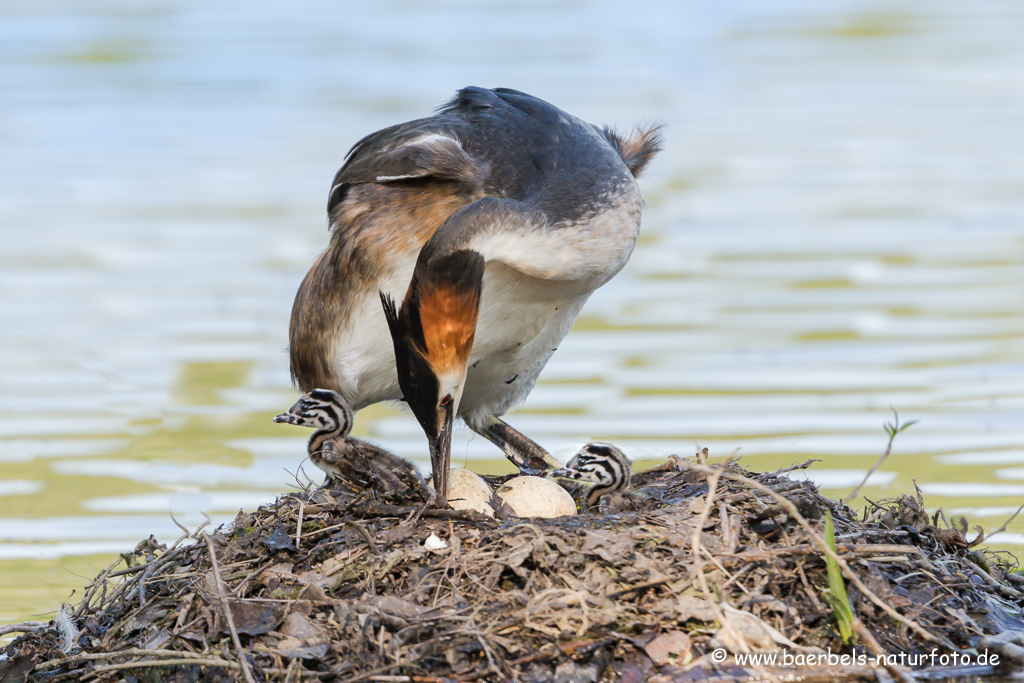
pixel 525 453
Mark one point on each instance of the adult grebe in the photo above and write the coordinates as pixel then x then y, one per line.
pixel 492 222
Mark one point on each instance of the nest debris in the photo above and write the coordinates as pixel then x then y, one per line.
pixel 339 586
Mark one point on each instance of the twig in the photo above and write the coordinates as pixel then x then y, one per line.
pixel 227 611
pixel 1006 523
pixel 892 430
pixel 100 582
pixel 409 679
pixel 23 627
pixel 667 466
pixel 415 517
pixel 1013 578
pixel 178 524
pixel 132 570
pixel 747 566
pixel 129 652
pixel 811 593
pixel 546 651
pixel 856 490
pixel 150 568
pixel 999 588
pixel 325 530
pixel 642 586
pixel 867 637
pixel 298 525
pixel 802 550
pixel 379 509
pixel 550 649
pixel 782 487
pixel 143 663
pixel 361 530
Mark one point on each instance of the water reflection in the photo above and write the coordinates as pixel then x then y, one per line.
pixel 834 229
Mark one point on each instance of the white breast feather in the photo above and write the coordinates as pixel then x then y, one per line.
pixel 535 283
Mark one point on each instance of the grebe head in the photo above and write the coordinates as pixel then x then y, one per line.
pixel 323 410
pixel 602 464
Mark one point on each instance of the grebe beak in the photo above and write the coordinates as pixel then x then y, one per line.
pixel 441 447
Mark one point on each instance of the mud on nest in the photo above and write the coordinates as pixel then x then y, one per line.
pixel 328 585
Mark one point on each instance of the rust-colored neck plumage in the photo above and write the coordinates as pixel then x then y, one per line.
pixel 433 332
pixel 448 309
pixel 433 337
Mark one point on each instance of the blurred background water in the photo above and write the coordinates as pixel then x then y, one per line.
pixel 835 228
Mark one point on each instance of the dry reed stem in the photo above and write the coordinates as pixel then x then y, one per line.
pixel 227 611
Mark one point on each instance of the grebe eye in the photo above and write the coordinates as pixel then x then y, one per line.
pixel 447 400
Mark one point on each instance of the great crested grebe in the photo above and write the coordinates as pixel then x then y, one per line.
pixel 344 457
pixel 601 464
pixel 491 223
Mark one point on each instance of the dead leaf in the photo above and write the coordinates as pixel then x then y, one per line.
pixel 688 607
pixel 559 543
pixel 518 555
pixel 314 594
pixel 300 626
pixel 395 606
pixel 587 672
pixel 311 578
pixel 282 570
pixel 609 547
pixel 184 611
pixel 294 648
pixel 674 645
pixel 742 631
pixel 332 565
pixel 951 537
pixel 278 540
pixel 252 618
pixel 146 617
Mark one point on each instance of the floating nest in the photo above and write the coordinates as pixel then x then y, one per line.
pixel 697 568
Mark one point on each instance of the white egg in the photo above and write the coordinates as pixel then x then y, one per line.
pixel 468 491
pixel 536 497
